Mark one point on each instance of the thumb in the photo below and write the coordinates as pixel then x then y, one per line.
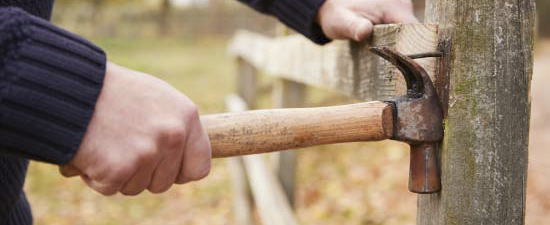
pixel 400 17
pixel 346 24
pixel 361 28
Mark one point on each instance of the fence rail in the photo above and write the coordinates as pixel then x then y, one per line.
pixel 342 66
pixel 483 82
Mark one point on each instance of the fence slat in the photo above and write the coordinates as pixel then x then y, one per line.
pixel 246 98
pixel 269 196
pixel 342 66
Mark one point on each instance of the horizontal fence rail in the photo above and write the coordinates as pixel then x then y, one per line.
pixel 341 66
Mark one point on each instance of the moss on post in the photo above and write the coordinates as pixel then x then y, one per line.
pixel 487 72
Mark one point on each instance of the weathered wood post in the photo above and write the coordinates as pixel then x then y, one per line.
pixel 242 198
pixel 484 83
pixel 288 94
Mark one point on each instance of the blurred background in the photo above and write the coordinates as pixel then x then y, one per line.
pixel 184 42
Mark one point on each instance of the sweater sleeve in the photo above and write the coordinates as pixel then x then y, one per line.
pixel 297 14
pixel 50 80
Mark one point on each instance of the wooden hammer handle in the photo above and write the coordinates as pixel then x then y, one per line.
pixel 260 131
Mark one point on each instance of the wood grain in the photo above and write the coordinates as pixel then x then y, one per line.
pixel 487 73
pixel 341 66
pixel 261 131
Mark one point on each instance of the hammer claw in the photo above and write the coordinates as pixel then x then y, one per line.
pixel 418 120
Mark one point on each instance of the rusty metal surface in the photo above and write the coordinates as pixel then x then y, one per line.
pixel 424 177
pixel 419 114
pixel 418 120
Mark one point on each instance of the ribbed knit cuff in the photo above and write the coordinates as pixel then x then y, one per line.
pixel 300 15
pixel 50 80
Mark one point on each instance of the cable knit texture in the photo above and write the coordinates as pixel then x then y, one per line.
pixel 50 80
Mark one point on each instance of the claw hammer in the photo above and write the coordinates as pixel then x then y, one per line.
pixel 415 118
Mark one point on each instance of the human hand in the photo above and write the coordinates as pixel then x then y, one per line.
pixel 355 19
pixel 144 134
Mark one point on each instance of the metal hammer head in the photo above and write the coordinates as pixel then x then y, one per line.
pixel 418 120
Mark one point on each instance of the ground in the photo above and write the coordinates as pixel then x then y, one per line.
pixel 338 184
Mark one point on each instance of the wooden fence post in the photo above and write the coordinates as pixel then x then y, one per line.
pixel 288 94
pixel 242 198
pixel 484 83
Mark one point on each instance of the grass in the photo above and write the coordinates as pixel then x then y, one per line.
pixel 354 183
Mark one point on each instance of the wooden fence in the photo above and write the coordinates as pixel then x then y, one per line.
pixel 483 80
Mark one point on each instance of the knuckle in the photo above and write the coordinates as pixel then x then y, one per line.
pixel 99 175
pixel 145 155
pixel 192 111
pixel 104 189
pixel 119 174
pixel 143 151
pixel 174 137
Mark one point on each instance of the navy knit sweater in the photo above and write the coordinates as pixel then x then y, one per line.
pixel 50 80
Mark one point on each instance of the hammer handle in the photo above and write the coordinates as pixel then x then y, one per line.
pixel 261 131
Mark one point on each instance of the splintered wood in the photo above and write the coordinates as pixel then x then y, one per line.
pixel 341 66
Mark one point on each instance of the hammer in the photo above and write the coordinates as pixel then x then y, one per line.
pixel 415 118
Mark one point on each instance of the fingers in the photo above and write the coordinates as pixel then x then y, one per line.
pixel 165 174
pixel 355 19
pixel 109 176
pixel 399 11
pixel 400 16
pixel 140 180
pixel 361 29
pixel 136 139
pixel 197 154
pixel 347 24
pixel 104 188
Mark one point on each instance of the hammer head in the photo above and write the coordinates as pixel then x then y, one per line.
pixel 419 115
pixel 418 120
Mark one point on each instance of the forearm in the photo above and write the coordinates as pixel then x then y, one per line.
pixel 298 14
pixel 49 83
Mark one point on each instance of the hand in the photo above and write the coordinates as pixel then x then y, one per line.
pixel 144 134
pixel 354 19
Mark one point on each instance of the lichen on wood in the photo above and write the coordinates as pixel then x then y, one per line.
pixel 487 68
